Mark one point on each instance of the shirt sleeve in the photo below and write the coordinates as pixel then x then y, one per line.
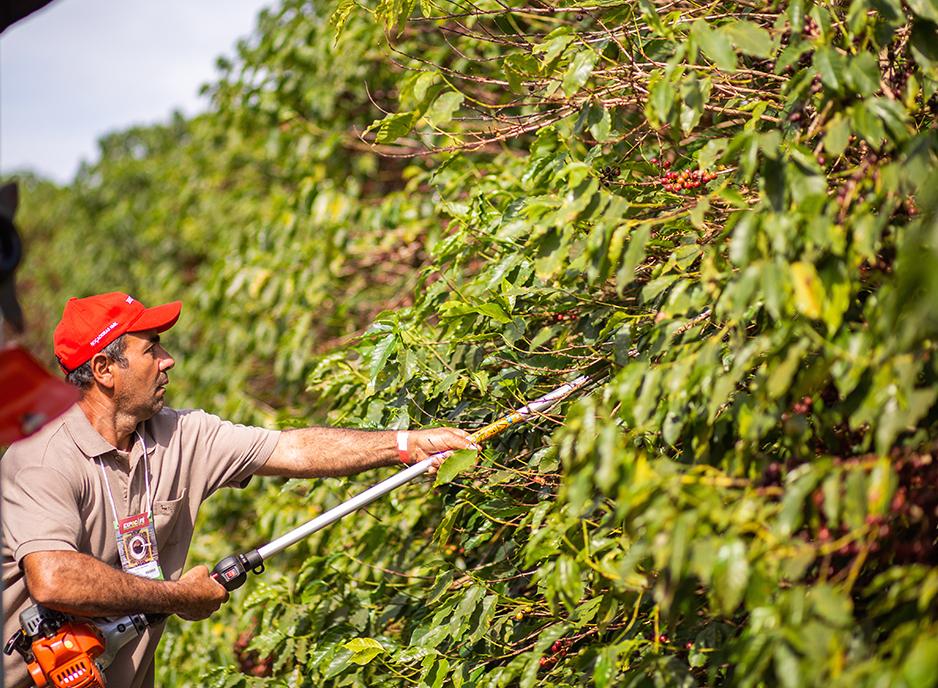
pixel 227 454
pixel 40 512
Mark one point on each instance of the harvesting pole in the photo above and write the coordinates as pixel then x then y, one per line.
pixel 231 572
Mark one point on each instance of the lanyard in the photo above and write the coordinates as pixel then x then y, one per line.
pixel 146 474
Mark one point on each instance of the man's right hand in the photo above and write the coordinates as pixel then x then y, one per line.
pixel 201 595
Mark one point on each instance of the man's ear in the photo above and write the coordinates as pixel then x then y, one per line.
pixel 101 370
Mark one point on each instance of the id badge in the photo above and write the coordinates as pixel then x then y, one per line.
pixel 136 544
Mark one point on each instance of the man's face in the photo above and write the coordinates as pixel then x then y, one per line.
pixel 139 389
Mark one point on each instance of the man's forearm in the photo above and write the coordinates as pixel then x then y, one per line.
pixel 79 584
pixel 330 452
pixel 324 452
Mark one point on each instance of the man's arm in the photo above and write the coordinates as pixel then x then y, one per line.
pixel 322 452
pixel 79 584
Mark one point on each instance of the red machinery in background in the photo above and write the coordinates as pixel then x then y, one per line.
pixel 30 396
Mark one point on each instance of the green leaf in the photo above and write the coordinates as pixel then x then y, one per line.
pixel 787 666
pixel 394 126
pixel 730 575
pixel 695 93
pixel 867 124
pixel 837 136
pixel 711 152
pixel 379 356
pixel 892 115
pixel 661 96
pixel 749 38
pixel 831 65
pixel 926 9
pixel 920 668
pixel 444 107
pixel 715 45
pixel 494 311
pixel 924 45
pixel 341 15
pixel 459 462
pixel 832 605
pixel 520 67
pixel 633 257
pixel 569 582
pixel 364 650
pixel 882 486
pixel 605 670
pixel 601 128
pixel 422 85
pixel 553 45
pixel 781 376
pixel 864 74
pixel 579 70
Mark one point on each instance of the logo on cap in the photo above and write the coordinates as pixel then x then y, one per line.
pixel 103 333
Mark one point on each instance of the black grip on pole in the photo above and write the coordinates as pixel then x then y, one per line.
pixel 232 571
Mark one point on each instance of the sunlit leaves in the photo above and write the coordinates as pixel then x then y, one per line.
pixel 728 206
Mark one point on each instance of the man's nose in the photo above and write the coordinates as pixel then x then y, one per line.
pixel 167 361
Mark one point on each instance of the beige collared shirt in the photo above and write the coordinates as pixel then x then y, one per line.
pixel 54 498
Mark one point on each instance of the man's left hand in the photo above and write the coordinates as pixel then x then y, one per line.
pixel 422 444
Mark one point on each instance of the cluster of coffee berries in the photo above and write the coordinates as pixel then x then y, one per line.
pixel 558 651
pixel 878 264
pixel 816 85
pixel 804 406
pixel 771 475
pixel 608 174
pixel 799 408
pixel 863 171
pixel 913 512
pixel 569 315
pixel 676 182
pixel 811 28
pixel 249 662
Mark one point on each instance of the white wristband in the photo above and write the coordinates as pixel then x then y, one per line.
pixel 402 447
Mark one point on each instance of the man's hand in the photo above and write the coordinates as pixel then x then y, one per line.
pixel 425 443
pixel 81 585
pixel 200 594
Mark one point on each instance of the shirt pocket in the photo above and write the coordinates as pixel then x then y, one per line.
pixel 166 516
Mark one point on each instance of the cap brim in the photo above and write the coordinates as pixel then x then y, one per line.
pixel 159 318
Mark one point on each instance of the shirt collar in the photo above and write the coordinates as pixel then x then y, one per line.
pixel 84 435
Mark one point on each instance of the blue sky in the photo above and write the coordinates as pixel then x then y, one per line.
pixel 81 68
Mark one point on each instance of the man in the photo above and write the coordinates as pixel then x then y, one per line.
pixel 99 506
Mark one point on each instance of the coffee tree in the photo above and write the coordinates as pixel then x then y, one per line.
pixel 426 213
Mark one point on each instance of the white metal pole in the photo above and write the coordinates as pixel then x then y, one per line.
pixel 372 493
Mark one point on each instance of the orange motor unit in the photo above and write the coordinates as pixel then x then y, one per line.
pixel 66 659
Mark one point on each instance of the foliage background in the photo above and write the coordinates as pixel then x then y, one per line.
pixel 401 214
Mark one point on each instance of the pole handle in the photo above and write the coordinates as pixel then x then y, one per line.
pixel 232 571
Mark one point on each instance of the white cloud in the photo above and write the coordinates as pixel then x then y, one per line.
pixel 81 68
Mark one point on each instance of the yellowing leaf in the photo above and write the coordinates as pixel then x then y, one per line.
pixel 364 650
pixel 809 292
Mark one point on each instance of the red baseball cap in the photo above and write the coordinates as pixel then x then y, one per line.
pixel 90 324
